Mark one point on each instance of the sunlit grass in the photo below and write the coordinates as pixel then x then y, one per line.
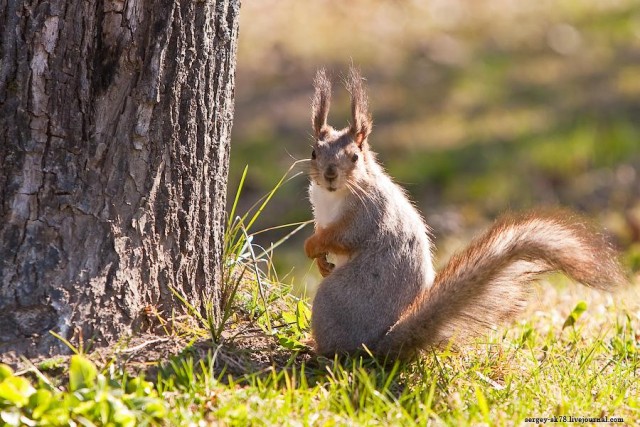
pixel 534 368
pixel 575 352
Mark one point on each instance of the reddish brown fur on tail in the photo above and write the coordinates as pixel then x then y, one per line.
pixel 489 281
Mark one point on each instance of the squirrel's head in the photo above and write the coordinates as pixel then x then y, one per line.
pixel 339 157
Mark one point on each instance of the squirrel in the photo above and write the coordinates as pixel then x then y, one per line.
pixel 381 291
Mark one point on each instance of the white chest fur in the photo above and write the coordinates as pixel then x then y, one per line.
pixel 327 208
pixel 327 205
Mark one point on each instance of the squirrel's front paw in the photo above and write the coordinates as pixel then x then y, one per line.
pixel 324 266
pixel 312 249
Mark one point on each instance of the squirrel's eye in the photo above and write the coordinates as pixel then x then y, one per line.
pixel 313 154
pixel 354 158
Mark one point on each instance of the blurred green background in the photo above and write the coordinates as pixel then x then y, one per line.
pixel 479 107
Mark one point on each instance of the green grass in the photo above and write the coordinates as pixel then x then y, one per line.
pixel 576 353
pixel 505 380
pixel 571 358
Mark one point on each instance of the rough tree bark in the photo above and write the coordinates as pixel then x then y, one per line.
pixel 115 119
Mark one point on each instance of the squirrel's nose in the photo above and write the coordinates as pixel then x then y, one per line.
pixel 330 173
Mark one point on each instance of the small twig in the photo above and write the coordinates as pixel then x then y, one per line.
pixel 37 372
pixel 143 345
pixel 491 382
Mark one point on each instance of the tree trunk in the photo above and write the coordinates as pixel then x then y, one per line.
pixel 115 119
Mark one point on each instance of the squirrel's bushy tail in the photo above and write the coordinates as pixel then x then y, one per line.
pixel 488 281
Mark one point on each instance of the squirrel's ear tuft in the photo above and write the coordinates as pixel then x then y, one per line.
pixel 320 103
pixel 362 123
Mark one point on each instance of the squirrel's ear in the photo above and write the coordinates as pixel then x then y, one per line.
pixel 320 103
pixel 362 123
